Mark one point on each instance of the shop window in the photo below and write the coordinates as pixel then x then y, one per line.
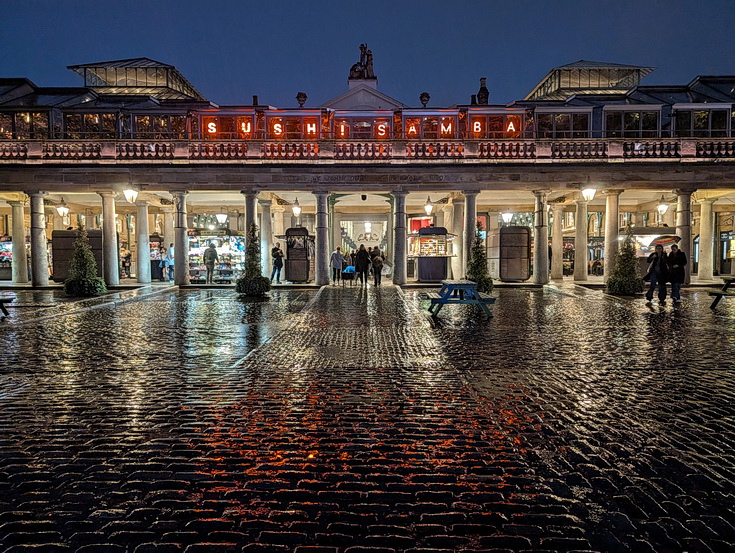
pixel 580 125
pixel 545 125
pixel 513 127
pixel 160 126
pixel 719 123
pixel 244 128
pixel 23 125
pixel 276 128
pixel 562 125
pixel 683 123
pixel 342 128
pixel 293 128
pixel 142 126
pixel 210 127
pixel 631 124
pixel 478 126
pixel 430 127
pixel 109 123
pixel 701 123
pixel 361 129
pixel 73 126
pixel 6 125
pixel 649 124
pixel 226 128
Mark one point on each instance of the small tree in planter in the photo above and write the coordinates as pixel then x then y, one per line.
pixel 83 280
pixel 625 279
pixel 252 282
pixel 477 264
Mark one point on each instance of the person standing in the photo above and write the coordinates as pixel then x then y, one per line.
pixel 362 264
pixel 210 258
pixel 347 261
pixel 658 274
pixel 163 263
pixel 336 263
pixel 126 262
pixel 676 259
pixel 377 268
pixel 171 262
pixel 277 261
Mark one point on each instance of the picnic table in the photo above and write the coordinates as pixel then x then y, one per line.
pixel 719 294
pixel 459 292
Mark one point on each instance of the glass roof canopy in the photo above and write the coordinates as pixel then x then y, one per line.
pixel 137 76
pixel 587 77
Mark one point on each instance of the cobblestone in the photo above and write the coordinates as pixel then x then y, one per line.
pixel 348 421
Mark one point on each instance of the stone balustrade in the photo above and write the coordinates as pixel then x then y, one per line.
pixel 462 151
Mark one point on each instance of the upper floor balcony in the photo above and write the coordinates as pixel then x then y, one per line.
pixel 384 152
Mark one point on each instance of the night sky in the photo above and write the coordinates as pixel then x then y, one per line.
pixel 232 49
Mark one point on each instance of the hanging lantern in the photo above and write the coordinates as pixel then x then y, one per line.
pixel 62 209
pixel 130 195
pixel 296 208
pixel 428 206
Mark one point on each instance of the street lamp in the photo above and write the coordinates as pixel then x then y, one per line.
pixel 296 208
pixel 507 217
pixel 130 195
pixel 588 194
pixel 62 209
pixel 428 206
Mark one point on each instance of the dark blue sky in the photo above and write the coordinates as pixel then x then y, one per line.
pixel 232 49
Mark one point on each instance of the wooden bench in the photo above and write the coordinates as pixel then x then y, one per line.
pixel 723 292
pixel 4 309
pixel 459 292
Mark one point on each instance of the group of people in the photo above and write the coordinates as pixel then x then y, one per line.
pixel 167 262
pixel 363 260
pixel 665 267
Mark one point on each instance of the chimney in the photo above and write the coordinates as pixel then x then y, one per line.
pixel 473 100
pixel 255 99
pixel 483 94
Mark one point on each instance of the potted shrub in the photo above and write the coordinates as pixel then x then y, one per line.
pixel 83 280
pixel 477 264
pixel 625 279
pixel 252 282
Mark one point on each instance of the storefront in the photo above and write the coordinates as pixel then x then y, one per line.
pixel 230 248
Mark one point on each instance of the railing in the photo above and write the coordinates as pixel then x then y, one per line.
pixel 467 151
pixel 434 150
pixel 350 151
pixel 507 150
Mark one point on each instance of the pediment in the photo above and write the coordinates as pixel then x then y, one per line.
pixel 363 97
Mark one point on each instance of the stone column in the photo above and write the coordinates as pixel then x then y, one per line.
pixel 399 237
pixel 557 242
pixel 390 232
pixel 669 218
pixel 448 211
pixel 20 257
pixel 612 229
pixel 581 255
pixel 321 263
pixel 540 239
pixel 181 240
pixel 706 240
pixel 110 261
pixel 169 234
pixel 278 212
pixel 470 226
pixel 684 228
pixel 266 235
pixel 143 246
pixel 457 219
pixel 251 206
pixel 39 242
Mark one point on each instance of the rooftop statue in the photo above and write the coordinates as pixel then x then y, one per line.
pixel 364 68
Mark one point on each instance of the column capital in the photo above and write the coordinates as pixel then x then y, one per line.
pixel 683 192
pixel 249 191
pixel 180 193
pixel 265 203
pixel 707 201
pixel 399 193
pixel 557 208
pixel 40 193
pixel 540 194
pixel 466 193
pixel 107 193
pixel 611 191
pixel 318 193
pixel 142 203
pixel 580 201
pixel 15 203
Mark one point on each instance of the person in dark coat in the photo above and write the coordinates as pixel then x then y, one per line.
pixel 676 259
pixel 658 273
pixel 362 264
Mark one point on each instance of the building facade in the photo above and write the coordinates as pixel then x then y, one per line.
pixel 658 156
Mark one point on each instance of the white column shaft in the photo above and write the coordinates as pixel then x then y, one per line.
pixel 266 235
pixel 110 261
pixel 557 243
pixel 706 240
pixel 143 246
pixel 470 227
pixel 20 257
pixel 321 262
pixel 399 238
pixel 39 242
pixel 181 240
pixel 684 228
pixel 612 215
pixel 540 240
pixel 581 255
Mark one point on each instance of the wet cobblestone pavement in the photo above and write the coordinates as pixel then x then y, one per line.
pixel 347 421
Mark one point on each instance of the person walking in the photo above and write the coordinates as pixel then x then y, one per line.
pixel 347 260
pixel 126 262
pixel 677 260
pixel 277 262
pixel 336 263
pixel 210 258
pixel 658 274
pixel 362 264
pixel 377 269
pixel 169 259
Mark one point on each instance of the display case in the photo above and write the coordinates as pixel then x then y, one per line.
pixel 230 252
pixel 155 242
pixel 6 260
pixel 431 247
